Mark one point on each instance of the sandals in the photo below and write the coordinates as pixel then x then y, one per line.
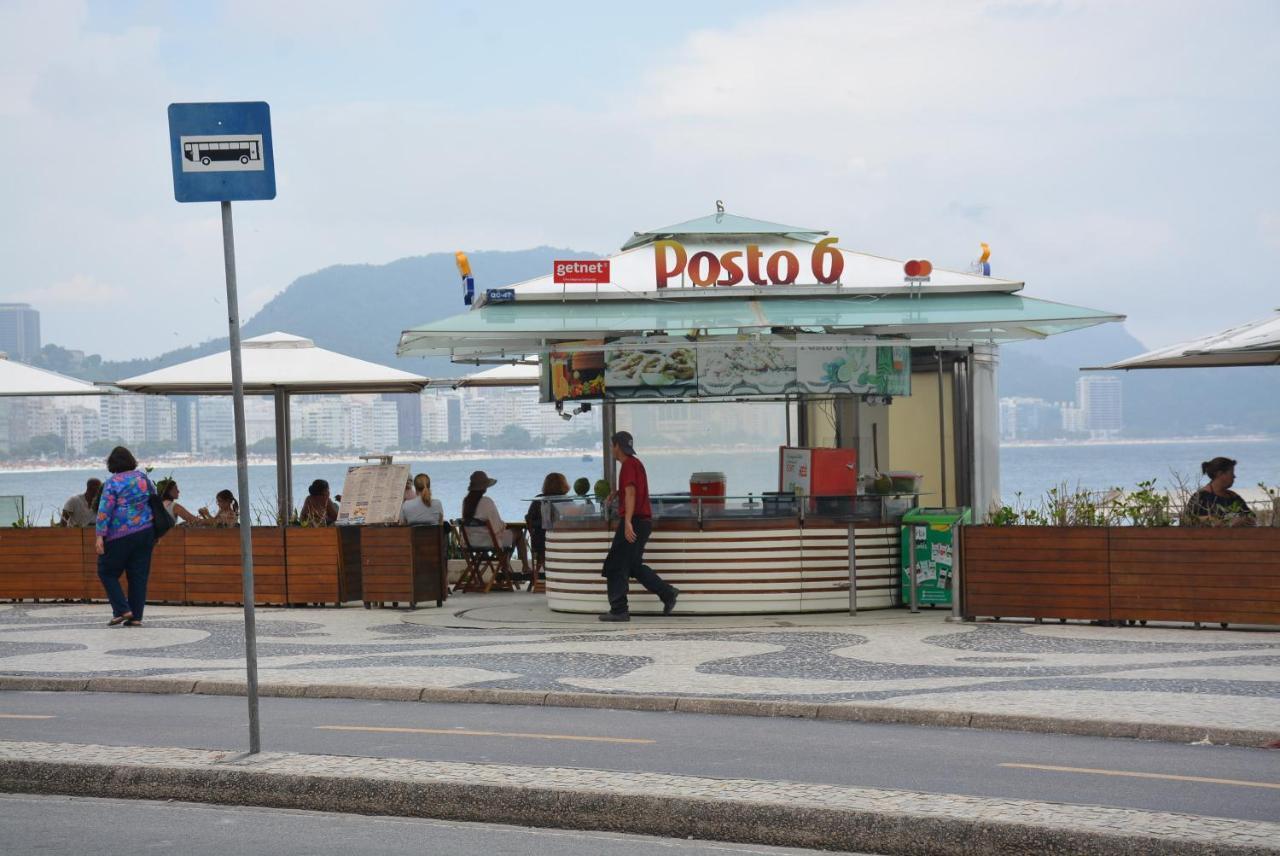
pixel 121 619
pixel 133 622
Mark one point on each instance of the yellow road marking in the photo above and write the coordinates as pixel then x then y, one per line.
pixel 24 716
pixel 462 732
pixel 1135 775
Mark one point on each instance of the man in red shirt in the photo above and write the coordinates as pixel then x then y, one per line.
pixel 626 554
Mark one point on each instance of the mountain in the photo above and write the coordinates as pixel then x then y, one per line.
pixel 360 310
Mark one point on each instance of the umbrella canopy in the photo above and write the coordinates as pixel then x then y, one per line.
pixel 276 361
pixel 278 364
pixel 510 374
pixel 21 379
pixel 1254 344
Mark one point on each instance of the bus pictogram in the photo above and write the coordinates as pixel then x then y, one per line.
pixel 222 153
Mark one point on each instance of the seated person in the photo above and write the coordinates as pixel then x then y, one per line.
pixel 478 508
pixel 423 509
pixel 81 510
pixel 169 493
pixel 1216 504
pixel 228 511
pixel 410 492
pixel 318 509
pixel 554 485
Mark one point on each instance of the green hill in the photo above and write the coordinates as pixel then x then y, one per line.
pixel 358 310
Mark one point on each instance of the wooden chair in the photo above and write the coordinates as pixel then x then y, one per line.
pixel 492 560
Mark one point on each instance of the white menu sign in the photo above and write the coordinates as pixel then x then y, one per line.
pixel 797 471
pixel 373 494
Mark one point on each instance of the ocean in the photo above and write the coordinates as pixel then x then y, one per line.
pixel 1029 470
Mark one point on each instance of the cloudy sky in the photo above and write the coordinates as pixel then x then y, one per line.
pixel 1121 155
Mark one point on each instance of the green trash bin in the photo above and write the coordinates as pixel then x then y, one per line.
pixel 931 533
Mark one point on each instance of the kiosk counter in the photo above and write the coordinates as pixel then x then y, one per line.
pixel 742 555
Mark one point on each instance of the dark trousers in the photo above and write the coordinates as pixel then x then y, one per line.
pixel 132 555
pixel 626 560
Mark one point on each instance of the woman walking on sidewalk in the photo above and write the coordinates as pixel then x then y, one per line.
pixel 126 537
pixel 626 554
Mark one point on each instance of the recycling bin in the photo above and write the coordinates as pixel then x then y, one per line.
pixel 931 534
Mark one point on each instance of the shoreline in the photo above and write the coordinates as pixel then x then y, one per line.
pixel 352 459
pixel 179 463
pixel 1137 441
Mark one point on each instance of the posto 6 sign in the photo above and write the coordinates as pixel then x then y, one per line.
pixel 781 267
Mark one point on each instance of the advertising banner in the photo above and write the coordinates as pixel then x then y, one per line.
pixel 659 370
pixel 746 368
pixel 858 369
pixel 576 374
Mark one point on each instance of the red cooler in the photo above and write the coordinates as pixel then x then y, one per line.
pixel 709 487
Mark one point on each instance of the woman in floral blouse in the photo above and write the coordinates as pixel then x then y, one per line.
pixel 125 537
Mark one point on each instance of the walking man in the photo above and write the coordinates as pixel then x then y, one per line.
pixel 626 554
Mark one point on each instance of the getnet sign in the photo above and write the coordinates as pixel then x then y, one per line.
pixel 750 265
pixel 221 152
pixel 571 272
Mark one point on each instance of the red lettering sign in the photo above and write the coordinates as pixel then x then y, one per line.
pixel 782 267
pixel 576 272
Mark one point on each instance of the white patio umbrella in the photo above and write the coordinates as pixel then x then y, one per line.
pixel 1254 344
pixel 280 365
pixel 20 379
pixel 508 374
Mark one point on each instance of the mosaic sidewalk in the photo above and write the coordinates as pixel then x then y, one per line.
pixel 1212 679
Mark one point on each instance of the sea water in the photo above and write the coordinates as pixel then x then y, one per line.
pixel 1029 470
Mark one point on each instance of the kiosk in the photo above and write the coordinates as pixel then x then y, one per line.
pixel 892 361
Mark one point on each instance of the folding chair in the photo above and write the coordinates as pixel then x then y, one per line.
pixel 492 559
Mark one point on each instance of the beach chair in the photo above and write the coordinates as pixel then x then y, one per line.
pixel 490 560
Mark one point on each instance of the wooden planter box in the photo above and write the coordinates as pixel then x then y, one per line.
pixel 403 564
pixel 1036 572
pixel 44 564
pixel 1196 574
pixel 314 570
pixel 213 571
pixel 1188 574
pixel 167 582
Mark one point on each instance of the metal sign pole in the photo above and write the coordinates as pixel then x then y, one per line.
pixel 853 571
pixel 242 480
pixel 911 566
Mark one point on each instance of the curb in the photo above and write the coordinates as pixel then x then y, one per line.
pixel 680 704
pixel 764 813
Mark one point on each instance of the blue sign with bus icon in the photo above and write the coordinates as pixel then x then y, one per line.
pixel 222 151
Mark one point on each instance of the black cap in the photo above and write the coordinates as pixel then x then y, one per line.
pixel 623 440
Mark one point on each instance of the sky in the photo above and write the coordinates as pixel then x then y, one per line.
pixel 1117 155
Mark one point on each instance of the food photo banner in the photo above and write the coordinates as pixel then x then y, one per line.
pixel 630 370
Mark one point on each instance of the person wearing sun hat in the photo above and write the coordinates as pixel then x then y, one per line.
pixel 478 507
pixel 635 524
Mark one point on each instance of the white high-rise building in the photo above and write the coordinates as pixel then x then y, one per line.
pixel 435 416
pixel 79 427
pixel 215 425
pixel 137 419
pixel 1101 404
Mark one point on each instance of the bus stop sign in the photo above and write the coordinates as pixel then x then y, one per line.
pixel 222 152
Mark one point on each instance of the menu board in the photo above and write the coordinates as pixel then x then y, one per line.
pixel 630 369
pixel 656 370
pixel 795 467
pixel 372 494
pixel 858 369
pixel 746 368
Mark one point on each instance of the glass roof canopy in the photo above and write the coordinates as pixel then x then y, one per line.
pixel 504 330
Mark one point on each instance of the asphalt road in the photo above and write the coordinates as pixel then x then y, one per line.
pixel 65 825
pixel 1205 780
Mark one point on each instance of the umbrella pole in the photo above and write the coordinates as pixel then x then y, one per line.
pixel 284 459
pixel 242 480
